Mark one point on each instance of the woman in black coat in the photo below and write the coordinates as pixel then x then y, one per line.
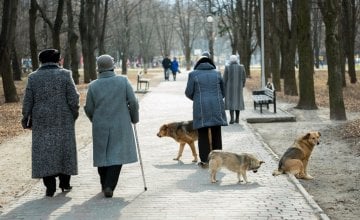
pixel 51 104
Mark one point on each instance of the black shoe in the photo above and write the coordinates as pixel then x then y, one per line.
pixel 49 193
pixel 203 165
pixel 108 192
pixel 66 189
pixel 231 122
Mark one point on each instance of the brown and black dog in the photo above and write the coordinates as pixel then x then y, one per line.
pixel 296 158
pixel 183 133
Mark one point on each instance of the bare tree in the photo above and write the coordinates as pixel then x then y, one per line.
pixel 329 11
pixel 101 23
pixel 88 40
pixel 55 27
pixel 32 34
pixel 288 46
pixel 72 41
pixel 164 27
pixel 306 60
pixel 7 36
pixel 188 28
pixel 349 22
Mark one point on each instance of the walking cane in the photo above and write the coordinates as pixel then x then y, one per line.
pixel 141 164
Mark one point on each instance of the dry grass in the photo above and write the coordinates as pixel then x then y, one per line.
pixel 10 113
pixel 351 94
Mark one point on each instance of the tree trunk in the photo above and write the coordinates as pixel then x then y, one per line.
pixel 88 41
pixel 16 66
pixel 32 35
pixel 72 41
pixel 349 33
pixel 7 35
pixel 306 61
pixel 329 10
pixel 288 48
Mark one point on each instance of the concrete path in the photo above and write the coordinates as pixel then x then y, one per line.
pixel 175 190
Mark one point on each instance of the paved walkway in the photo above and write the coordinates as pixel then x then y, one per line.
pixel 175 190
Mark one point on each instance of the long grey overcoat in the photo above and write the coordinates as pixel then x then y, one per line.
pixel 52 101
pixel 234 80
pixel 205 87
pixel 111 106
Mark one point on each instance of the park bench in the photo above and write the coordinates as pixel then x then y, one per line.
pixel 141 80
pixel 265 96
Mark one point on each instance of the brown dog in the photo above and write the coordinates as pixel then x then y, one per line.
pixel 238 163
pixel 296 158
pixel 183 133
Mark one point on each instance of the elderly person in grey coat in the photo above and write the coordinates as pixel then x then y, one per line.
pixel 50 108
pixel 234 79
pixel 112 107
pixel 205 88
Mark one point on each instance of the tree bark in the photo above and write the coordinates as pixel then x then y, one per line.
pixel 288 48
pixel 32 35
pixel 16 66
pixel 7 35
pixel 329 10
pixel 72 40
pixel 306 60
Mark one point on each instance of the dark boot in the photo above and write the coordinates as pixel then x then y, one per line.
pixel 237 114
pixel 231 117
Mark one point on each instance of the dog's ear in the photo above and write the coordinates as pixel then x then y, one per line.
pixel 306 136
pixel 319 133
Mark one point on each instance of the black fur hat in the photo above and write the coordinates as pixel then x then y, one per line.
pixel 49 56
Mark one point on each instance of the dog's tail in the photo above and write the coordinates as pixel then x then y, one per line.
pixel 211 155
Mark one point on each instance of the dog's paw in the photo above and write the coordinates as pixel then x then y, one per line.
pixel 195 161
pixel 176 158
pixel 308 177
pixel 213 181
pixel 276 173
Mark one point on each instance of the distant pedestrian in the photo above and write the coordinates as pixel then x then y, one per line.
pixel 166 63
pixel 112 107
pixel 50 108
pixel 234 79
pixel 205 88
pixel 174 68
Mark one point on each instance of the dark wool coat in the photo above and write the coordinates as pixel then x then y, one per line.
pixel 205 88
pixel 52 101
pixel 111 106
pixel 234 80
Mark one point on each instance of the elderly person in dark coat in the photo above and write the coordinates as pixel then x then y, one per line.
pixel 50 108
pixel 234 79
pixel 112 107
pixel 205 88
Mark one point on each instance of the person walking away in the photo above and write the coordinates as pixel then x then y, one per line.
pixel 205 88
pixel 112 108
pixel 174 68
pixel 50 108
pixel 234 80
pixel 166 63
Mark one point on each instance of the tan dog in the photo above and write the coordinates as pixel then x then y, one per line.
pixel 183 133
pixel 296 158
pixel 238 163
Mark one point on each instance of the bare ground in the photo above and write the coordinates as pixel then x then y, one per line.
pixel 334 164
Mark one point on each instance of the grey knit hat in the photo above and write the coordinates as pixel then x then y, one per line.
pixel 105 63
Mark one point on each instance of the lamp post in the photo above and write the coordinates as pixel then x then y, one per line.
pixel 210 21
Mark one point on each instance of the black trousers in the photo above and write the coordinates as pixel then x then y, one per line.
pixel 50 181
pixel 109 176
pixel 204 142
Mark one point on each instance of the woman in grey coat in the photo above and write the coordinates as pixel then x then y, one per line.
pixel 234 79
pixel 205 88
pixel 111 106
pixel 50 108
